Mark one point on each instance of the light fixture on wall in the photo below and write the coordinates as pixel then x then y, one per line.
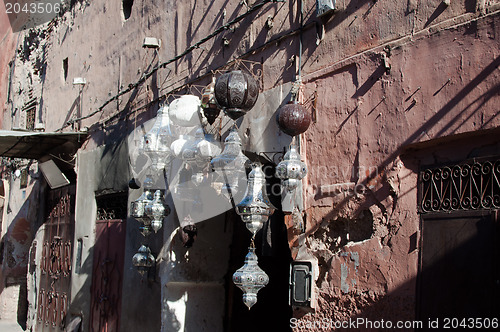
pixel 79 81
pixel 151 42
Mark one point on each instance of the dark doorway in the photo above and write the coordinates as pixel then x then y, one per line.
pixel 272 311
pixel 107 267
pixel 459 269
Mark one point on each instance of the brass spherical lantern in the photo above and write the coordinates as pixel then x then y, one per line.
pixel 250 278
pixel 293 118
pixel 237 92
pixel 255 207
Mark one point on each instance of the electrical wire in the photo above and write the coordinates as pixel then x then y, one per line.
pixel 166 63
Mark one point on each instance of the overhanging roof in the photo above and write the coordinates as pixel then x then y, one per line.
pixel 35 145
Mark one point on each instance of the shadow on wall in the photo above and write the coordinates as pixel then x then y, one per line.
pixel 15 252
pixel 457 279
pixel 458 120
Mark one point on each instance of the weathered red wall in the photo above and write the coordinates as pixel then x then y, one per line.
pixel 7 47
pixel 441 79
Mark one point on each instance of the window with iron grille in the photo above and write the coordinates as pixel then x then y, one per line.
pixel 112 206
pixel 472 185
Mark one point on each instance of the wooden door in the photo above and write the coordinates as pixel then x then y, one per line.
pixel 107 275
pixel 56 261
pixel 459 270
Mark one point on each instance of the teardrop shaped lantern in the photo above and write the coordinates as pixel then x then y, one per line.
pixel 293 118
pixel 209 104
pixel 250 278
pixel 231 163
pixel 156 210
pixel 184 111
pixel 255 208
pixel 143 259
pixel 237 92
pixel 291 169
pixel 157 141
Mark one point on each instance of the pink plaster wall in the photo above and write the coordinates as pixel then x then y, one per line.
pixel 7 47
pixel 443 80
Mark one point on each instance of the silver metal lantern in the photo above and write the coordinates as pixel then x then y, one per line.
pixel 231 163
pixel 255 207
pixel 250 278
pixel 157 141
pixel 291 170
pixel 156 210
pixel 143 259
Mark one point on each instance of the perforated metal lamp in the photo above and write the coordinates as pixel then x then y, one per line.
pixel 157 210
pixel 291 169
pixel 157 141
pixel 143 260
pixel 250 278
pixel 255 207
pixel 231 163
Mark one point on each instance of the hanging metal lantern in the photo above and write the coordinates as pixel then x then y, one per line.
pixel 237 92
pixel 250 278
pixel 184 111
pixel 231 163
pixel 189 152
pixel 206 149
pixel 293 118
pixel 255 208
pixel 157 141
pixel 209 104
pixel 179 145
pixel 156 210
pixel 137 207
pixel 143 260
pixel 291 169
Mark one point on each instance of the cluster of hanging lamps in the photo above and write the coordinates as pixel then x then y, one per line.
pixel 237 92
pixel 150 209
pixel 293 119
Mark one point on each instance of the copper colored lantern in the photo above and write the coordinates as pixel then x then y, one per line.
pixel 293 118
pixel 237 92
